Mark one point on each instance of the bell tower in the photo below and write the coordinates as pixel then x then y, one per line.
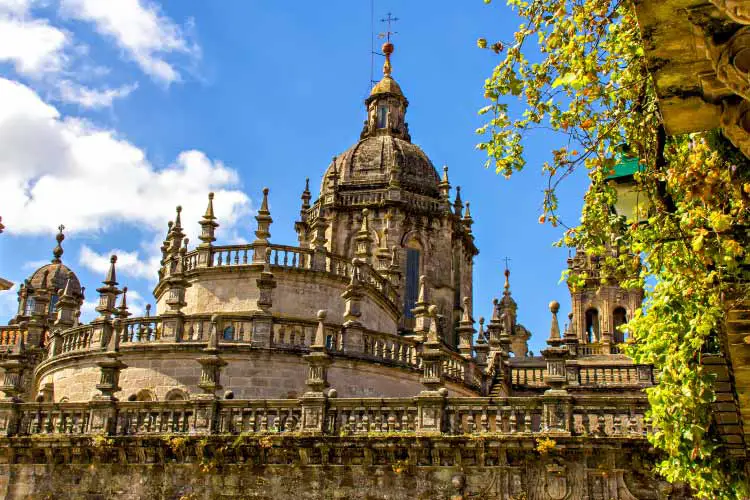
pixel 600 306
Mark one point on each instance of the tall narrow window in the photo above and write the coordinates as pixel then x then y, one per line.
pixel 592 326
pixel 412 281
pixel 382 114
pixel 29 309
pixel 52 304
pixel 619 318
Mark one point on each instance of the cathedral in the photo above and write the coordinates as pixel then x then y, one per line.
pixel 355 357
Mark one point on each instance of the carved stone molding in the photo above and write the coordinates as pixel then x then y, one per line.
pixel 732 62
pixel 735 123
pixel 737 10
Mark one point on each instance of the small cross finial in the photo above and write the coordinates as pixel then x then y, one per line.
pixel 507 263
pixel 389 19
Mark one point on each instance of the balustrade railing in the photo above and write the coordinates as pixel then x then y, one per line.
pixel 76 339
pixel 236 255
pixel 371 415
pixel 291 257
pixel 530 376
pixel 9 336
pixel 141 330
pixel 598 416
pixel 391 349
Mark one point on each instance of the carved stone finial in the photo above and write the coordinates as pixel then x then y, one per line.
pixel 554 333
pixel 58 250
pixel 111 278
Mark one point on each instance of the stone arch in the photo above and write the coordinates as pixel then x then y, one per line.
pixel 145 395
pixel 176 395
pixel 619 317
pixel 592 325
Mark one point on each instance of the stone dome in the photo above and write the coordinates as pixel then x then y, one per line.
pixel 56 277
pixel 372 158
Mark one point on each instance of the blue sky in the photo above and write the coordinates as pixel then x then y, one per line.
pixel 112 113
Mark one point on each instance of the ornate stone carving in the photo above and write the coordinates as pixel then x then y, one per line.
pixel 737 10
pixel 735 123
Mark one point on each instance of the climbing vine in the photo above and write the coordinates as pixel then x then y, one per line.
pixel 578 69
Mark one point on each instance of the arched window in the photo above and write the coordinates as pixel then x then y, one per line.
pixel 382 114
pixel 592 325
pixel 229 333
pixel 145 395
pixel 619 318
pixel 412 281
pixel 176 395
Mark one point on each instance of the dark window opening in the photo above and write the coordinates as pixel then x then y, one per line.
pixel 412 281
pixel 229 333
pixel 619 318
pixel 382 114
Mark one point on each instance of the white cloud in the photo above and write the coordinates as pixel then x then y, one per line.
pixel 33 46
pixel 8 303
pixel 140 29
pixel 89 98
pixel 63 170
pixel 128 263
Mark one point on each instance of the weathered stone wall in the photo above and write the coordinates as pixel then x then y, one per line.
pixel 298 294
pixel 163 468
pixel 251 374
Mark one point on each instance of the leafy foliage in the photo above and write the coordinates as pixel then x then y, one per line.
pixel 578 68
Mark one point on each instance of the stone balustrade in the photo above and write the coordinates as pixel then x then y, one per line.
pixel 75 339
pixel 590 416
pixel 9 336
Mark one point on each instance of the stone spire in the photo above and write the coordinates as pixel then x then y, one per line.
pixel 306 197
pixel 58 250
pixel 208 224
pixel 122 310
pixel 467 220
pixel 108 292
pixel 445 185
pixel 66 306
pixel 457 203
pixel 301 226
pixel 363 240
pixel 421 311
pixel 466 331
pixel 262 233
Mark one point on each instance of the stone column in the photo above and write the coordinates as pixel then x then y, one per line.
pixel 172 319
pixel 266 283
pixel 111 366
pixel 557 402
pixel 319 244
pixel 315 400
pixel 431 401
pixel 211 364
pixel 353 331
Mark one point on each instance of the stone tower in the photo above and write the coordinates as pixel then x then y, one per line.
pixel 600 306
pixel 382 201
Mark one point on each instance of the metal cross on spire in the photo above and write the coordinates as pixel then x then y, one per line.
pixel 507 263
pixel 388 19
